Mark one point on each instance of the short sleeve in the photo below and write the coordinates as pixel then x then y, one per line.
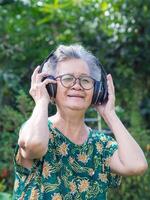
pixel 23 176
pixel 110 147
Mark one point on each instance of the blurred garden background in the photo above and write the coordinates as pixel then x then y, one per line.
pixel 116 31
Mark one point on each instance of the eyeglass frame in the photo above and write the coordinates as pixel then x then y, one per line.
pixel 79 78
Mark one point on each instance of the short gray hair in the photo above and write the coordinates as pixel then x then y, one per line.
pixel 64 52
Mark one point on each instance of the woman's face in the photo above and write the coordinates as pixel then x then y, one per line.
pixel 75 97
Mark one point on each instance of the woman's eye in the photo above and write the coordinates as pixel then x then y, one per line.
pixel 86 80
pixel 68 79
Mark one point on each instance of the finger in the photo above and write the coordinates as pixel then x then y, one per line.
pixel 111 92
pixel 110 84
pixel 47 81
pixel 41 75
pixel 35 72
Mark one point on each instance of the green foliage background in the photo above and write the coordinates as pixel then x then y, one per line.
pixel 116 31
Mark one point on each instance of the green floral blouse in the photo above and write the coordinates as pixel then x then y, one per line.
pixel 68 171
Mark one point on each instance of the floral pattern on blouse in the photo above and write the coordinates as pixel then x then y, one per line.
pixel 68 171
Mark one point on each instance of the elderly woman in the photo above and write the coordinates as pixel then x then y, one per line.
pixel 60 157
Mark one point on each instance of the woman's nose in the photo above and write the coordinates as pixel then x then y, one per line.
pixel 77 85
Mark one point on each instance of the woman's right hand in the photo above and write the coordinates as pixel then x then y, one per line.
pixel 38 89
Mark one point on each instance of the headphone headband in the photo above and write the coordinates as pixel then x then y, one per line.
pixel 46 59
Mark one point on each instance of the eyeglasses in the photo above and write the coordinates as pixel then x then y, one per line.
pixel 69 80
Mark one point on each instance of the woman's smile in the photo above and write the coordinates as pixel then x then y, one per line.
pixel 75 96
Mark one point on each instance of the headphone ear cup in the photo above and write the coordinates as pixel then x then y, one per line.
pixel 94 93
pixel 51 87
pixel 105 91
pixel 100 93
pixel 97 93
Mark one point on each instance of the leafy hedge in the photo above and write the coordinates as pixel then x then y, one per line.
pixel 5 196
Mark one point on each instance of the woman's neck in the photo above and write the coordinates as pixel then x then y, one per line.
pixel 72 125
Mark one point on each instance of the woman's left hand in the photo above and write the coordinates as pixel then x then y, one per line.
pixel 108 108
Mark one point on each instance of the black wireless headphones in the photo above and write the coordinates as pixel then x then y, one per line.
pixel 100 93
